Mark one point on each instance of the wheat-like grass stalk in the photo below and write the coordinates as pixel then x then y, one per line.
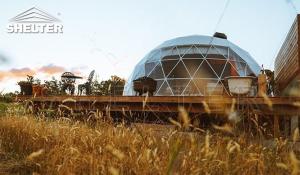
pixel 35 154
pixel 184 117
pixel 225 128
pixel 267 100
pixel 69 100
pixel 294 163
pixel 296 135
pixel 206 107
pixel 64 146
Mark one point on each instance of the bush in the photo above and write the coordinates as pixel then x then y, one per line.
pixel 3 107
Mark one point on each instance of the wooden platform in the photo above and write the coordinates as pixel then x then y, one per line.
pixel 282 112
pixel 288 106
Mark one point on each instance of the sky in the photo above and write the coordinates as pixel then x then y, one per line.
pixel 112 36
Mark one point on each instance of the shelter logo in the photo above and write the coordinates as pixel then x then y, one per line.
pixel 34 20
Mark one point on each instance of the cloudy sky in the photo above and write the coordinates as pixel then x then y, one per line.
pixel 112 36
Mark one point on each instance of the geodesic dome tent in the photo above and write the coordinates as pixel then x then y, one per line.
pixel 192 65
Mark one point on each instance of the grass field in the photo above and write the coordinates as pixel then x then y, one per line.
pixel 39 145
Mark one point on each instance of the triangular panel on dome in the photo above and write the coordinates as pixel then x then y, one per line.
pixel 197 53
pixel 234 56
pixel 234 68
pixel 217 65
pixel 154 55
pixel 241 68
pixel 226 70
pixel 178 85
pixel 176 51
pixel 222 50
pixel 157 72
pixel 249 71
pixel 169 65
pixel 191 89
pixel 179 71
pixel 149 67
pixel 193 53
pixel 215 88
pixel 239 59
pixel 169 53
pixel 208 50
pixel 225 87
pixel 164 90
pixel 193 50
pixel 158 85
pixel 229 70
pixel 205 85
pixel 183 50
pixel 139 72
pixel 192 65
pixel 200 83
pixel 203 50
pixel 213 52
pixel 205 71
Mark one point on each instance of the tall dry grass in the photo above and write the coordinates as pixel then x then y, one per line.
pixel 29 144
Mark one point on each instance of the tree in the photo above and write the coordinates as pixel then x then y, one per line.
pixel 53 86
pixel 113 86
pixel 271 82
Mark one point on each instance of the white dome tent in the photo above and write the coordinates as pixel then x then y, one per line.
pixel 192 65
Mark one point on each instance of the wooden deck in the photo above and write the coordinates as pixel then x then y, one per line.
pixel 283 111
pixel 288 106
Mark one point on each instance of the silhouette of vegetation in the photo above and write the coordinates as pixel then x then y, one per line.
pixel 113 86
pixel 53 86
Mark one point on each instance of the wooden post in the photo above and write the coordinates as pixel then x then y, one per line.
pixel 294 123
pixel 262 84
pixel 276 126
pixel 286 126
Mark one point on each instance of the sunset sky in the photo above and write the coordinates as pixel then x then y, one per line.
pixel 112 36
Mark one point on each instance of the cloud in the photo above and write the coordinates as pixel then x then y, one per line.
pixel 3 75
pixel 21 72
pixel 51 69
pixel 17 73
pixel 79 70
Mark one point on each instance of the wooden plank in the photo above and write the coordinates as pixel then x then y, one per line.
pixel 280 105
pixel 286 127
pixel 287 63
pixel 276 126
pixel 294 123
pixel 168 99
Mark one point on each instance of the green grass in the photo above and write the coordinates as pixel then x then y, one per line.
pixel 3 107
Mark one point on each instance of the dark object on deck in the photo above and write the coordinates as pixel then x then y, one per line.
pixel 86 86
pixel 26 88
pixel 37 90
pixel 220 35
pixel 69 76
pixel 143 85
pixel 68 79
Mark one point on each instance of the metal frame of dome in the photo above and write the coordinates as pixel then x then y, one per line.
pixel 182 54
